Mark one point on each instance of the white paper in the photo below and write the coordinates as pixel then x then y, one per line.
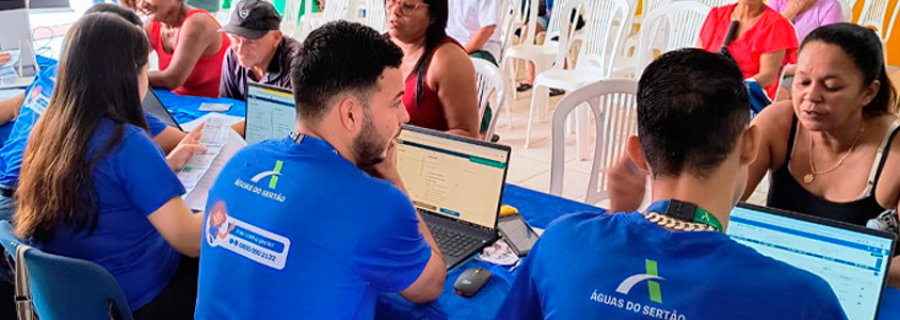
pixel 213 137
pixel 196 199
pixel 189 126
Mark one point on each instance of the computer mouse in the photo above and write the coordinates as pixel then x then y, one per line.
pixel 471 280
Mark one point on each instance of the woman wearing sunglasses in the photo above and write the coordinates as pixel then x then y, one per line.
pixel 440 78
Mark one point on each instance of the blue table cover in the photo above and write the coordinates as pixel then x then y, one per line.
pixel 539 209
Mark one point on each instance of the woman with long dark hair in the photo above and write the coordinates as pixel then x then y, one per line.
pixel 440 79
pixel 95 186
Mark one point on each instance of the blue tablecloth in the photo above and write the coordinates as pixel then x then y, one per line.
pixel 538 208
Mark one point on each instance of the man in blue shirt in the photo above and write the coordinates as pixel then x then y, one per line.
pixel 315 225
pixel 672 261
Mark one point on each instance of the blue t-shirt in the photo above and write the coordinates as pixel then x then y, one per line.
pixel 131 181
pixel 295 230
pixel 621 266
pixel 37 97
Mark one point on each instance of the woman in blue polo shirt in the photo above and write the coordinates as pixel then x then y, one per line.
pixel 95 186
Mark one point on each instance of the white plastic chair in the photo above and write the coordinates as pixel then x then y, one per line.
pixel 541 55
pixel 334 10
pixel 492 91
pixel 847 9
pixel 376 16
pixel 595 59
pixel 873 14
pixel 682 20
pixel 614 105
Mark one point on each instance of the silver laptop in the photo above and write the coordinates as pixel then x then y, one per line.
pixel 271 113
pixel 155 107
pixel 15 34
pixel 852 259
pixel 456 184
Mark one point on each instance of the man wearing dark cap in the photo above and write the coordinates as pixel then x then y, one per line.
pixel 259 52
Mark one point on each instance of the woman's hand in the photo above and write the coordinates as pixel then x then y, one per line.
pixel 5 57
pixel 186 149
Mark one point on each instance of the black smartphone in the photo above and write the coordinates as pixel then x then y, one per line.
pixel 520 236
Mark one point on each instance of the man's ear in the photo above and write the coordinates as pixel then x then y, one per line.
pixel 351 113
pixel 749 144
pixel 636 153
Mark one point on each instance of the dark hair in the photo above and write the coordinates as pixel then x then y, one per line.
pixel 96 80
pixel 692 106
pixel 865 47
pixel 338 58
pixel 126 14
pixel 436 32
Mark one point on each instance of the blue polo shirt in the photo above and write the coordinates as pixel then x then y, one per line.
pixel 621 266
pixel 131 181
pixel 37 97
pixel 297 231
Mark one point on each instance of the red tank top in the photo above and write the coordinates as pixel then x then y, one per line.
pixel 430 112
pixel 204 79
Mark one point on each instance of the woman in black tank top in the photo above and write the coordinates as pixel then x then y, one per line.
pixel 831 150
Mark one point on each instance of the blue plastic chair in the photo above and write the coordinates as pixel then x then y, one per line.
pixel 65 288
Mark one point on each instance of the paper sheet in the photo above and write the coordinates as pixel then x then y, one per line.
pixel 196 199
pixel 189 126
pixel 214 137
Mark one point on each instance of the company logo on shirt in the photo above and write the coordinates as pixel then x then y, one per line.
pixel 651 276
pixel 274 174
pixel 273 182
pixel 631 287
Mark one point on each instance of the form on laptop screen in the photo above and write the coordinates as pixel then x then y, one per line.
pixel 270 113
pixel 853 263
pixel 452 178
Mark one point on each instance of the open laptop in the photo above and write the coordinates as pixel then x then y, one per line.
pixel 155 107
pixel 271 113
pixel 456 184
pixel 15 34
pixel 852 259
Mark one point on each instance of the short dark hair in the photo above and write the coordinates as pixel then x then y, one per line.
pixel 692 106
pixel 864 46
pixel 126 14
pixel 338 58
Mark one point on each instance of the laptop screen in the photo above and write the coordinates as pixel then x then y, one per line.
pixel 854 263
pixel 455 178
pixel 153 106
pixel 270 113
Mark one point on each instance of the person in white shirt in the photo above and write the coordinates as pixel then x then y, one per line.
pixel 473 23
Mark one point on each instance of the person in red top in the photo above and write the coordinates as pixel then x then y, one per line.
pixel 189 47
pixel 764 42
pixel 440 78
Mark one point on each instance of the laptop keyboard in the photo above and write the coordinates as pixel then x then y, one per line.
pixel 453 243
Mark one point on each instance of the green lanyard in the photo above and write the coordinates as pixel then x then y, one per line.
pixel 685 211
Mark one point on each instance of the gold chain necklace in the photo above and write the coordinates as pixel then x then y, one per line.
pixel 675 224
pixel 811 176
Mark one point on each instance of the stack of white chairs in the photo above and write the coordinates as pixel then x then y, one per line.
pixel 542 55
pixel 376 15
pixel 595 59
pixel 678 22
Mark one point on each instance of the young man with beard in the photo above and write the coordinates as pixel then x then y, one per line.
pixel 316 224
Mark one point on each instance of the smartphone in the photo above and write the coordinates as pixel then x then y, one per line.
pixel 520 236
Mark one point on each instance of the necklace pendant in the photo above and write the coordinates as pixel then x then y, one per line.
pixel 809 178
